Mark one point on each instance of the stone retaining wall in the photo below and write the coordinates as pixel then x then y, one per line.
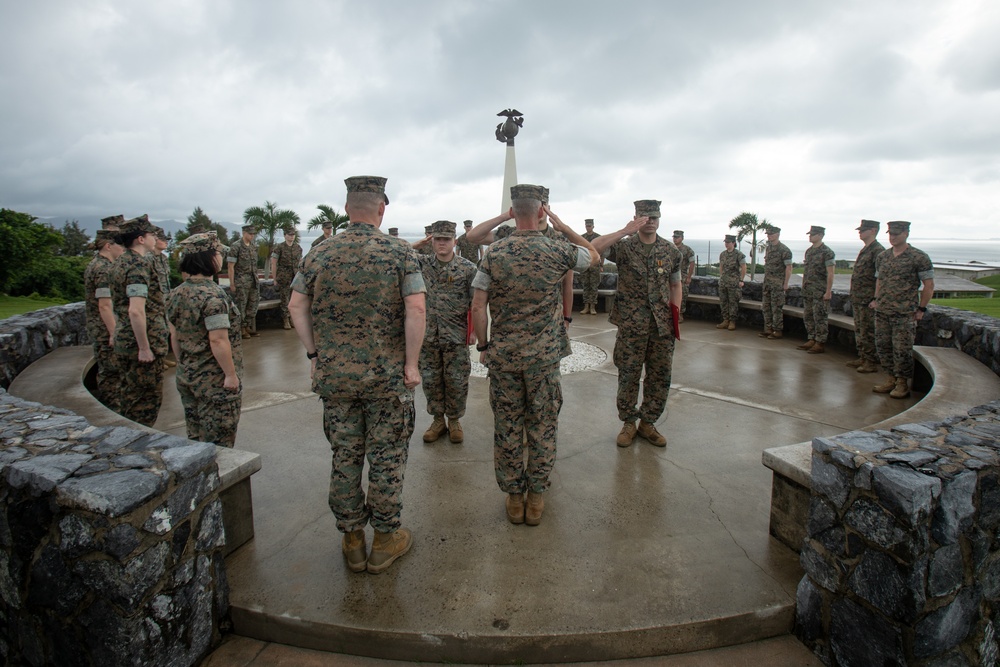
pixel 902 556
pixel 110 543
pixel 27 338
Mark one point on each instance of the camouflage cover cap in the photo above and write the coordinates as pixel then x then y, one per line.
pixel 327 225
pixel 427 229
pixel 160 234
pixel 107 235
pixel 869 224
pixel 730 238
pixel 771 229
pixel 679 232
pixel 525 191
pixel 203 242
pixel 589 222
pixel 648 207
pixel 816 229
pixel 140 224
pixel 467 223
pixel 112 221
pixel 374 184
pixel 443 228
pixel 250 229
pixel 289 230
pixel 393 231
pixel 898 226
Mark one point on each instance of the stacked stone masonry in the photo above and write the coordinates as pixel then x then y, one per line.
pixel 111 543
pixel 902 555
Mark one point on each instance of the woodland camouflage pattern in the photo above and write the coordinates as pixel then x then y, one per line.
pixel 816 309
pixel 288 258
pixel 96 280
pixel 687 256
pixel 898 297
pixel 776 258
pixel 862 294
pixel 243 257
pixel 591 278
pixel 729 283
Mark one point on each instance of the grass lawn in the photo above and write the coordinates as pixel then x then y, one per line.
pixel 989 307
pixel 15 305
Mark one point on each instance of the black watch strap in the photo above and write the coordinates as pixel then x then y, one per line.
pixel 312 355
pixel 482 348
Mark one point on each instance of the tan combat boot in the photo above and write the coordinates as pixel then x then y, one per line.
pixel 649 432
pixel 724 324
pixel 805 346
pixel 818 348
pixel 455 432
pixel 515 508
pixel 355 552
pixel 885 387
pixel 680 319
pixel 766 333
pixel 627 435
pixel 775 335
pixel 855 363
pixel 436 429
pixel 245 334
pixel 867 367
pixel 253 333
pixel 287 324
pixel 387 547
pixel 533 508
pixel 901 390
pixel 732 326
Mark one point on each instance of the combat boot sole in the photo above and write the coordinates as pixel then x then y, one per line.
pixel 387 548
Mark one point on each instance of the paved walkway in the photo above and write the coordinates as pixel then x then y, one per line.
pixel 642 551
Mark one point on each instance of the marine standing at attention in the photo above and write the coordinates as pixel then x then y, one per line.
pixel 242 267
pixel 777 272
pixel 732 271
pixel 205 336
pixel 817 290
pixel 141 337
pixel 899 304
pixel 649 285
pixel 591 278
pixel 862 295
pixel 327 233
pixel 358 308
pixel 101 316
pixel 444 357
pixel 285 260
pixel 466 248
pixel 687 268
pixel 519 281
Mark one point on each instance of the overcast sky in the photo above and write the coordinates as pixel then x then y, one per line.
pixel 802 112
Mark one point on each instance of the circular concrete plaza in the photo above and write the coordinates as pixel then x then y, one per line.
pixel 641 551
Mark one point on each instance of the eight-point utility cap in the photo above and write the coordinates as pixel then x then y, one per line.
pixel 730 238
pixel 648 207
pixel 898 227
pixel 160 234
pixel 202 242
pixel 771 229
pixel 868 224
pixel 589 222
pixel 679 233
pixel 328 225
pixel 525 191
pixel 140 224
pixel 289 231
pixel 427 229
pixel 443 228
pixel 394 231
pixel 467 223
pixel 109 235
pixel 112 221
pixel 816 229
pixel 249 229
pixel 374 184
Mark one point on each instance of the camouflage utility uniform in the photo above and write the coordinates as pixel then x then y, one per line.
pixel 645 331
pixel 862 294
pixel 729 283
pixel 687 256
pixel 522 275
pixel 899 280
pixel 444 357
pixel 162 265
pixel 243 257
pixel 211 412
pixel 467 249
pixel 590 279
pixel 97 283
pixel 133 275
pixel 816 309
pixel 776 258
pixel 288 258
pixel 357 281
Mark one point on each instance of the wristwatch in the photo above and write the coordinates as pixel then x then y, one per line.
pixel 922 309
pixel 482 348
pixel 312 355
pixel 568 319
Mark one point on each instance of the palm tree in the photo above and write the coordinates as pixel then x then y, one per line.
pixel 268 219
pixel 747 224
pixel 328 214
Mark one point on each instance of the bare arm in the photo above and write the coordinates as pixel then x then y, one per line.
pixel 829 283
pixel 414 323
pixel 174 345
pixel 788 276
pixel 925 298
pixel 300 310
pixel 743 271
pixel 480 322
pixel 482 234
pixel 137 316
pixel 218 339
pixel 274 267
pixel 605 241
pixel 567 294
pixel 676 293
pixel 690 273
pixel 107 313
pixel 231 271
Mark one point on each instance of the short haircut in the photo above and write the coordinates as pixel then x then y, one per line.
pixel 526 207
pixel 365 201
pixel 199 263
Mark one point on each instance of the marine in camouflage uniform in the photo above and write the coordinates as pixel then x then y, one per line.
pixel 285 260
pixel 732 271
pixel 862 295
pixel 196 310
pixel 424 247
pixel 444 357
pixel 649 282
pixel 900 270
pixel 777 271
pixel 327 234
pixel 466 248
pixel 242 263
pixel 358 308
pixel 519 280
pixel 687 268
pixel 132 279
pixel 817 282
pixel 101 327
pixel 591 278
